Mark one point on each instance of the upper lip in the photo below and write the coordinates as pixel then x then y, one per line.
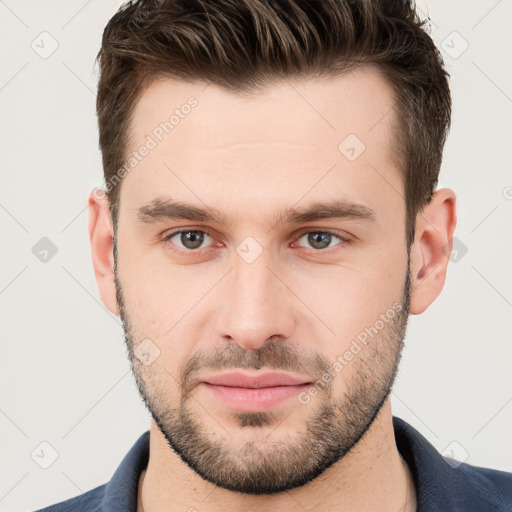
pixel 266 380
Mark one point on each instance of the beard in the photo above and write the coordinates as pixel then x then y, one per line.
pixel 334 426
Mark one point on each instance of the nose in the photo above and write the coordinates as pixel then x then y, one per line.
pixel 256 304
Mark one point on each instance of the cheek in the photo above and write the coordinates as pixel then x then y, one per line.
pixel 146 296
pixel 349 297
pixel 162 302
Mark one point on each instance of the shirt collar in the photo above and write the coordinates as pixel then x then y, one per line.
pixel 441 486
pixel 121 492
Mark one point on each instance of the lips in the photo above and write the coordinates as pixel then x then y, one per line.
pixel 267 380
pixel 253 393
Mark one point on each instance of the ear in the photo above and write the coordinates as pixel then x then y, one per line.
pixel 430 252
pixel 101 235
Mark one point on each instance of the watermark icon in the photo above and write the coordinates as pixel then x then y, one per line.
pixel 454 45
pixel 156 136
pixel 44 250
pixel 507 193
pixel 455 454
pixel 358 343
pixel 457 251
pixel 249 249
pixel 45 45
pixel 351 147
pixel 44 455
pixel 147 352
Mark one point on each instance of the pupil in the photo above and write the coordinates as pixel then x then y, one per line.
pixel 319 240
pixel 192 239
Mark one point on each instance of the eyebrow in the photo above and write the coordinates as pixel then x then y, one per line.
pixel 164 208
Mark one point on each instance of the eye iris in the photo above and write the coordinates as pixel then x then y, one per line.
pixel 322 239
pixel 192 239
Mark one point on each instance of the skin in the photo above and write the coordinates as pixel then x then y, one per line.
pixel 251 158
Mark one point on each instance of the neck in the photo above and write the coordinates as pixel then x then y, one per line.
pixel 371 477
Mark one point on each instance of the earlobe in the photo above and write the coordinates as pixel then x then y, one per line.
pixel 431 249
pixel 102 247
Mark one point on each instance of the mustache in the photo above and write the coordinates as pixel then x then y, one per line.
pixel 272 355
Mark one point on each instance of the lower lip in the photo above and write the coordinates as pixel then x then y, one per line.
pixel 253 399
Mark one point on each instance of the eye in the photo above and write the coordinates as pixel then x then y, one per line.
pixel 189 240
pixel 320 240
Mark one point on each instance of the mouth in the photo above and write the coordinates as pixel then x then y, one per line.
pixel 254 393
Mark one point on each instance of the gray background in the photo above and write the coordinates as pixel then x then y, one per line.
pixel 65 378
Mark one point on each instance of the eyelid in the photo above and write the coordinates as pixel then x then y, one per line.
pixel 169 234
pixel 341 235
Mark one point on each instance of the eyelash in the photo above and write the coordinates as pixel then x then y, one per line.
pixel 343 240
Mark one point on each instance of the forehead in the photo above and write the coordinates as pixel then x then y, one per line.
pixel 276 142
pixel 296 111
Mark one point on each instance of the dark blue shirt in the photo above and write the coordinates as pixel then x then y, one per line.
pixel 441 485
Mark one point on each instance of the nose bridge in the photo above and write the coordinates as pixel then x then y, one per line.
pixel 255 305
pixel 252 283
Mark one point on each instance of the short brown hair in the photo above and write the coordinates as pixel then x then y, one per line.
pixel 242 45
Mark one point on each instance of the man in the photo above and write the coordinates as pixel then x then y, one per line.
pixel 270 221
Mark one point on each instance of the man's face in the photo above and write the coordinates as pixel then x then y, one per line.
pixel 258 290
